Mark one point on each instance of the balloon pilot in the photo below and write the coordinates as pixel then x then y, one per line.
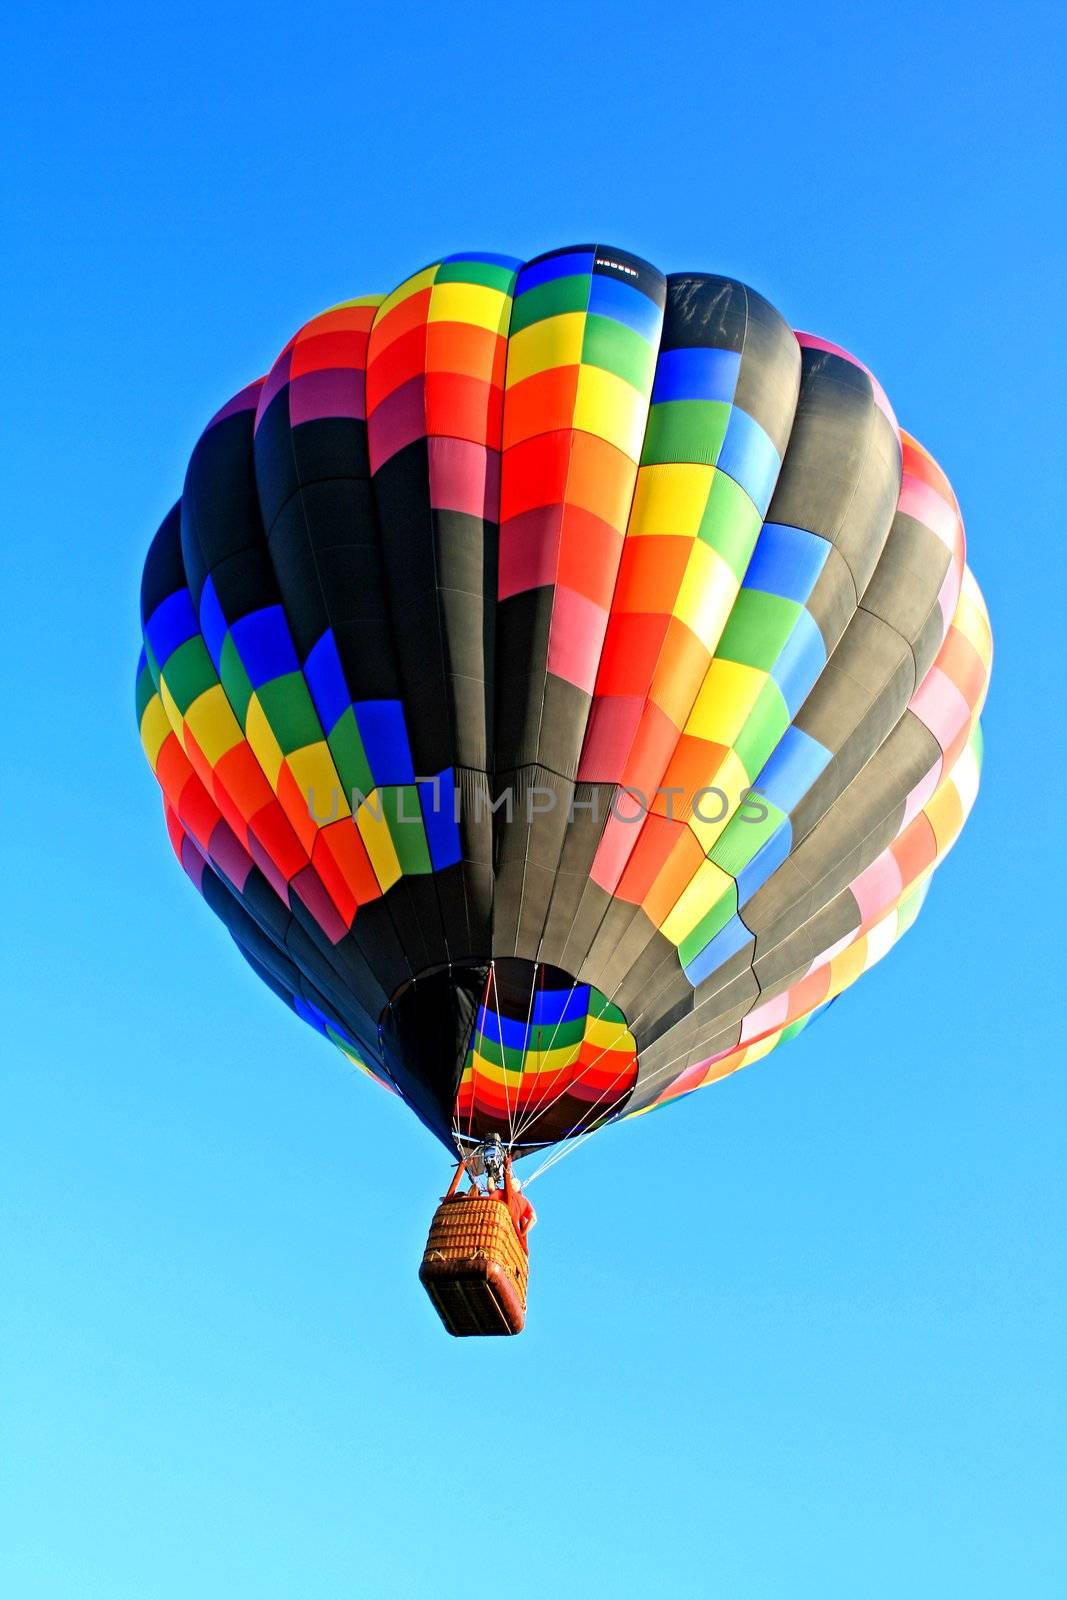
pixel 503 1185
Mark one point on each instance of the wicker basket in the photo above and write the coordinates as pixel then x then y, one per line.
pixel 474 1268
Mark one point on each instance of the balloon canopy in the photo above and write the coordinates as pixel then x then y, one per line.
pixel 563 680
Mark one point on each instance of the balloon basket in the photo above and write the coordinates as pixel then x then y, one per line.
pixel 474 1269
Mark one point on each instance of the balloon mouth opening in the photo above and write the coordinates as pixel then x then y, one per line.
pixel 509 1048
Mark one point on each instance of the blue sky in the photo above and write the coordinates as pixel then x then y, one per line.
pixel 799 1336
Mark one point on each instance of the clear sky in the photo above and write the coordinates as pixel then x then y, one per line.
pixel 799 1336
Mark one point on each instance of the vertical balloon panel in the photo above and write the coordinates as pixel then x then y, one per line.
pixel 435 387
pixel 581 357
pixel 723 400
pixel 312 479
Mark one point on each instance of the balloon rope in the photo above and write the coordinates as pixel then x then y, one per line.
pixel 503 1061
pixel 474 1055
pixel 526 1041
pixel 567 1146
pixel 540 1053
pixel 534 1111
pixel 604 1092
pixel 628 1028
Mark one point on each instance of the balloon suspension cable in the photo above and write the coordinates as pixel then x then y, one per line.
pixel 520 1124
pixel 536 1109
pixel 541 1109
pixel 503 1059
pixel 574 1140
pixel 526 1040
pixel 459 1138
pixel 568 1146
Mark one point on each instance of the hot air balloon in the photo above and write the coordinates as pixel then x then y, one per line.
pixel 563 681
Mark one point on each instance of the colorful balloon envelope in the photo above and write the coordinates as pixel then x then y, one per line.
pixel 563 681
